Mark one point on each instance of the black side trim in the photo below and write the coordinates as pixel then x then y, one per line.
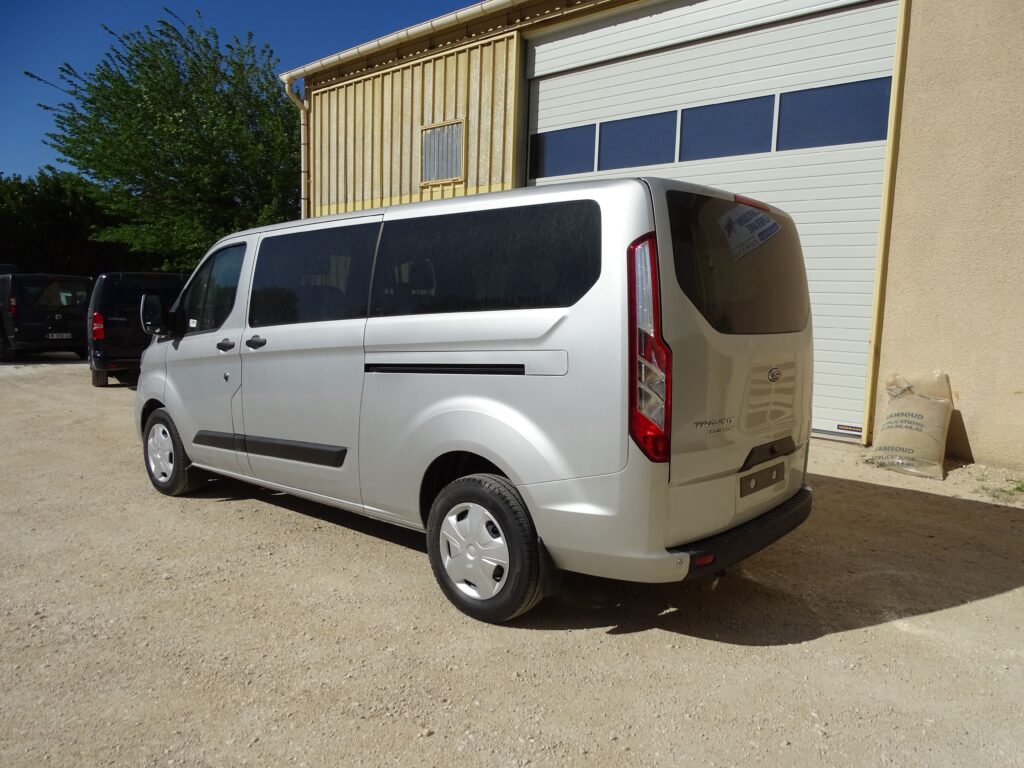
pixel 225 440
pixel 739 543
pixel 309 453
pixel 489 369
pixel 762 453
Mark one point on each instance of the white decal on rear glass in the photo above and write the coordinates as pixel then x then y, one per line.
pixel 746 228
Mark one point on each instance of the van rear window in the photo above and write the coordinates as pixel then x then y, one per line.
pixel 126 293
pixel 527 257
pixel 740 266
pixel 51 293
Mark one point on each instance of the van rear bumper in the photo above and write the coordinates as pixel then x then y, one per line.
pixel 46 345
pixel 101 363
pixel 739 543
pixel 614 526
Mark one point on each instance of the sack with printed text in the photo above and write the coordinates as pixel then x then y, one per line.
pixel 912 438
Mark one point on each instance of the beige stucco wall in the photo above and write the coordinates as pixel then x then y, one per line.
pixel 954 296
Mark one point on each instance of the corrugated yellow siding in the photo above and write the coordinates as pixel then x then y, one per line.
pixel 365 134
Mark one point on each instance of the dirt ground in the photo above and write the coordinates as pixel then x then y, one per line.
pixel 242 627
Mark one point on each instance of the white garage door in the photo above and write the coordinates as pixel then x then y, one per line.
pixel 784 101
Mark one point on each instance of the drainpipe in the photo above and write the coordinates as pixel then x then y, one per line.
pixel 303 144
pixel 885 230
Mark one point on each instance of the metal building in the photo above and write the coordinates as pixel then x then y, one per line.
pixel 796 102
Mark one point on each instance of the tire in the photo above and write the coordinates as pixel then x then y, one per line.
pixel 484 513
pixel 100 378
pixel 7 354
pixel 167 464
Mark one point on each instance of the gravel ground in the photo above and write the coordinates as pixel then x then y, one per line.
pixel 243 627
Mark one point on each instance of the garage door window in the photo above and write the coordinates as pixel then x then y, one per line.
pixel 814 117
pixel 835 114
pixel 741 127
pixel 636 141
pixel 558 153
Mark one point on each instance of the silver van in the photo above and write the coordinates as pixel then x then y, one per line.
pixel 611 377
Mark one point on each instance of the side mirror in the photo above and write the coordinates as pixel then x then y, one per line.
pixel 151 313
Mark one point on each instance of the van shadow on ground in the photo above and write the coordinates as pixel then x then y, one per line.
pixel 868 555
pixel 225 489
pixel 47 358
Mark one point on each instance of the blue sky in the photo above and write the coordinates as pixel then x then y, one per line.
pixel 40 36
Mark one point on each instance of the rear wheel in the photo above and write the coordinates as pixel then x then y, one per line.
pixel 167 464
pixel 100 378
pixel 483 548
pixel 6 353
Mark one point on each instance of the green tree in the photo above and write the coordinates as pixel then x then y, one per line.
pixel 186 139
pixel 48 223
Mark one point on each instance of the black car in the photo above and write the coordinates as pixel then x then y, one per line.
pixel 43 313
pixel 116 338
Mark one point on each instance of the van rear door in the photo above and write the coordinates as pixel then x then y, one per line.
pixel 119 305
pixel 50 310
pixel 737 319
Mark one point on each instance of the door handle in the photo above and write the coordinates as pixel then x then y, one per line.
pixel 255 342
pixel 225 345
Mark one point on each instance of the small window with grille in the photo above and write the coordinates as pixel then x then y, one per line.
pixel 442 151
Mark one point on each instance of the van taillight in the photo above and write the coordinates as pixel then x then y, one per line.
pixel 12 307
pixel 97 326
pixel 650 359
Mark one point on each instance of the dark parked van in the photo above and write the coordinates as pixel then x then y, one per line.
pixel 116 338
pixel 43 313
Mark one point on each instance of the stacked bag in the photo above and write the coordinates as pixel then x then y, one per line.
pixel 912 438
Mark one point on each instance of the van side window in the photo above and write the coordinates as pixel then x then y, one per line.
pixel 511 258
pixel 210 296
pixel 310 277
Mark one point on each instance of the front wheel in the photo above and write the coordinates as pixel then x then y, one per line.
pixel 167 464
pixel 483 548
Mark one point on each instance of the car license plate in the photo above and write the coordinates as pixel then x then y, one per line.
pixel 763 479
pixel 55 336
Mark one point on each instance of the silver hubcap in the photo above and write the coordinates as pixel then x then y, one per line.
pixel 160 451
pixel 473 551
